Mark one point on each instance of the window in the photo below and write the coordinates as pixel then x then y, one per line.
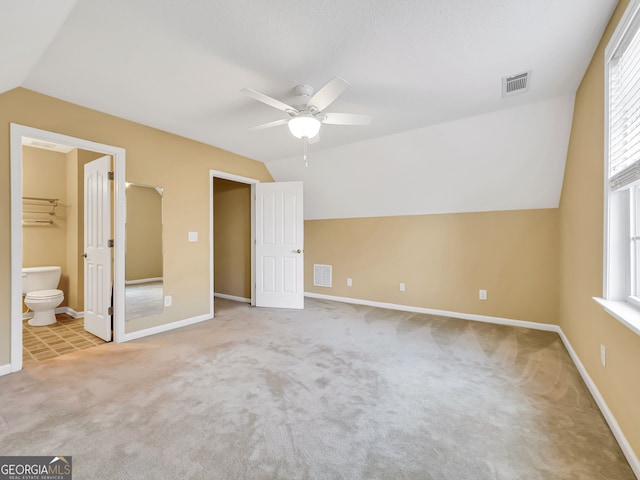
pixel 622 220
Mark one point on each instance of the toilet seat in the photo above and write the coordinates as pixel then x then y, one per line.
pixel 44 294
pixel 43 304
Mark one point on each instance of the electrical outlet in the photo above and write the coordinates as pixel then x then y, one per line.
pixel 167 300
pixel 402 287
pixel 349 282
pixel 603 355
pixel 482 295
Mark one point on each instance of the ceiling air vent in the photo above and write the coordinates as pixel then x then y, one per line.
pixel 515 84
pixel 322 275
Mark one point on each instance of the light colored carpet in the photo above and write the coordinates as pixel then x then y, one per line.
pixel 143 299
pixel 336 391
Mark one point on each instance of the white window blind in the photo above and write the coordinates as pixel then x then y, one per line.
pixel 624 112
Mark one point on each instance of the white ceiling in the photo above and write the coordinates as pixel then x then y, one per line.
pixel 179 66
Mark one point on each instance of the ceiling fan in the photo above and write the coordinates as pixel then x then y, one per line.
pixel 307 115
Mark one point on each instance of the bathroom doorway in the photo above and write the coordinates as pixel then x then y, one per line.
pixel 62 239
pixel 52 235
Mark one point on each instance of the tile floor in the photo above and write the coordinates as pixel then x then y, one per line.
pixel 65 336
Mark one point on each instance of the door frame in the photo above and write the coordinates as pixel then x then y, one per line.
pixel 18 131
pixel 252 182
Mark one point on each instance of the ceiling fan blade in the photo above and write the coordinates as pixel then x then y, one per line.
pixel 346 119
pixel 272 102
pixel 275 123
pixel 328 94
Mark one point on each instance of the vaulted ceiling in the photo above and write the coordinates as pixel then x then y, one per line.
pixel 429 72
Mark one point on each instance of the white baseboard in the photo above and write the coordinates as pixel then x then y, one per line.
pixel 625 446
pixel 143 280
pixel 232 297
pixel 70 311
pixel 445 313
pixel 67 310
pixel 165 328
pixel 5 369
pixel 632 458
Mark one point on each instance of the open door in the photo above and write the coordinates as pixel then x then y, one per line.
pixel 279 245
pixel 97 251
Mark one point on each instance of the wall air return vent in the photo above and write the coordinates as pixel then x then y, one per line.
pixel 515 84
pixel 322 275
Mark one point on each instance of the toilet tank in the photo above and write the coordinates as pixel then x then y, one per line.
pixel 40 278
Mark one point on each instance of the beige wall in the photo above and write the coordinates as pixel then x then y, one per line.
pixel 154 157
pixel 581 245
pixel 444 260
pixel 143 256
pixel 537 265
pixel 232 237
pixel 44 175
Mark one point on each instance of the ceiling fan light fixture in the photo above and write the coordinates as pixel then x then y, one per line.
pixel 304 126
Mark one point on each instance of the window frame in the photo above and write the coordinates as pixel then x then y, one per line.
pixel 621 270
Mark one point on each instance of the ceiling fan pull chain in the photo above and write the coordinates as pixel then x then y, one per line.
pixel 306 142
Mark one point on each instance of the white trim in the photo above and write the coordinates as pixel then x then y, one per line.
pixel 165 328
pixel 69 311
pixel 445 313
pixel 119 155
pixel 232 297
pixel 5 369
pixel 240 179
pixel 211 259
pixel 606 231
pixel 625 446
pixel 623 312
pixel 623 26
pixel 253 244
pixel 120 215
pixel 143 280
pixel 16 247
pixel 232 177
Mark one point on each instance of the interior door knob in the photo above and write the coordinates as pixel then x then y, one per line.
pixel 84 255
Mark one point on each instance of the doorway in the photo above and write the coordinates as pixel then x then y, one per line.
pixel 53 235
pixel 233 283
pixel 277 242
pixel 232 239
pixel 18 132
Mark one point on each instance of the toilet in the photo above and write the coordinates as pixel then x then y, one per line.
pixel 39 285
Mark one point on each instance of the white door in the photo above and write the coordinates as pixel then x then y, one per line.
pixel 97 253
pixel 279 245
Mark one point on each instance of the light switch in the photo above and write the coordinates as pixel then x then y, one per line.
pixel 193 236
